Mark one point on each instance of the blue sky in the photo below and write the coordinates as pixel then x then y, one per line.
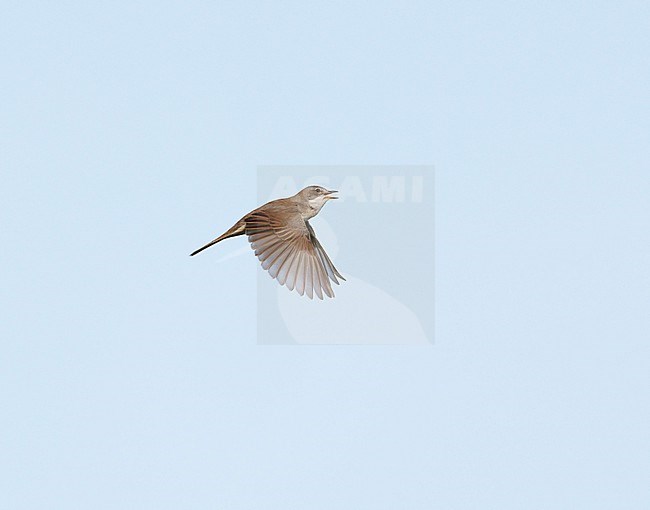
pixel 130 374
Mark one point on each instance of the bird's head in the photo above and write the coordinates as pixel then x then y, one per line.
pixel 316 196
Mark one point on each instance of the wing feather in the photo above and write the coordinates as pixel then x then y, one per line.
pixel 289 250
pixel 309 282
pixel 285 266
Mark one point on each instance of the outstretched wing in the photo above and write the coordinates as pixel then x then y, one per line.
pixel 290 252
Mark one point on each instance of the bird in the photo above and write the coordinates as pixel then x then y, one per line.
pixel 286 244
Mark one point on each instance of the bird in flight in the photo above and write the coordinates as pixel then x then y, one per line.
pixel 285 242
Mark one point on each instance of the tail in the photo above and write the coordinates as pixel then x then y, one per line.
pixel 237 230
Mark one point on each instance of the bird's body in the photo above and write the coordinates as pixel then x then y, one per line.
pixel 285 242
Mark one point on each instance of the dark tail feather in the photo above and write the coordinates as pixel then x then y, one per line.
pixel 237 230
pixel 211 243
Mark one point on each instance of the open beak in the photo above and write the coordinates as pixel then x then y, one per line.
pixel 329 196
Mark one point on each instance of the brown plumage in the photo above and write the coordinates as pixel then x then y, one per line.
pixel 285 242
